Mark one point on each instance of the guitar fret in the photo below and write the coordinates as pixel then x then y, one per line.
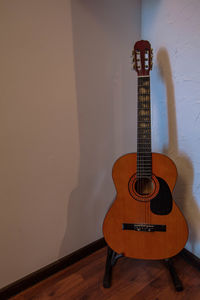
pixel 142 157
pixel 148 151
pixel 148 172
pixel 144 129
pixel 143 108
pixel 141 175
pixel 143 121
pixel 144 174
pixel 145 153
pixel 143 100
pixel 143 117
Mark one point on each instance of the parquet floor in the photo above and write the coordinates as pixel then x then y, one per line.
pixel 132 279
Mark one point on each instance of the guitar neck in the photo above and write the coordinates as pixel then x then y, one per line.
pixel 144 154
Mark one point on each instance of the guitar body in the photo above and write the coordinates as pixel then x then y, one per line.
pixel 124 226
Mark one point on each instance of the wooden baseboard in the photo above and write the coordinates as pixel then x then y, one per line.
pixel 35 277
pixel 190 258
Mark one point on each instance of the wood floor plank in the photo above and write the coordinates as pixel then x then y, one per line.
pixel 132 280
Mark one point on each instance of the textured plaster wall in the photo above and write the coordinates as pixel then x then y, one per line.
pixel 67 102
pixel 173 28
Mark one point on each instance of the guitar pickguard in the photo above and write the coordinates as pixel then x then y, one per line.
pixel 162 203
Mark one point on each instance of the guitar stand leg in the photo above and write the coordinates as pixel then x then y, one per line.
pixel 111 260
pixel 176 280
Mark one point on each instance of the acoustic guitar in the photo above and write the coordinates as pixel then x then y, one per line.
pixel 144 222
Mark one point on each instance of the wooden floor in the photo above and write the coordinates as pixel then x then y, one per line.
pixel 132 279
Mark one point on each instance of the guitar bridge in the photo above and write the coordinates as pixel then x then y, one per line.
pixel 143 227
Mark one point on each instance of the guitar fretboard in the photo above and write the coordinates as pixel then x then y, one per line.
pixel 144 155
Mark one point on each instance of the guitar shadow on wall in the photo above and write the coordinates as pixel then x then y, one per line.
pixel 183 194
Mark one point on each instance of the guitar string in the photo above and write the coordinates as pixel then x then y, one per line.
pixel 144 136
pixel 147 139
pixel 150 141
pixel 144 166
pixel 139 136
pixel 150 137
pixel 144 147
pixel 145 128
pixel 141 145
pixel 138 145
pixel 150 153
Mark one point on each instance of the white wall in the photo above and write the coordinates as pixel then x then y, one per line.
pixel 67 112
pixel 173 29
pixel 39 135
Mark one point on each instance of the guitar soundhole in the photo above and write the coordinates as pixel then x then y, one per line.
pixel 144 186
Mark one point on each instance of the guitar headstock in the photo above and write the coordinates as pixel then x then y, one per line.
pixel 142 58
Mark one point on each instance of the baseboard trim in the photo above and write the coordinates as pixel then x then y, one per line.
pixel 43 273
pixel 191 258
